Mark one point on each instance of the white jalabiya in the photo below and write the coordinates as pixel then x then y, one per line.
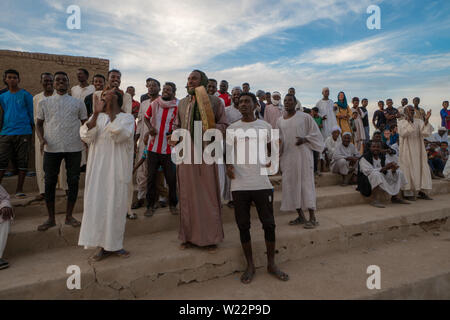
pixel 233 115
pixel 339 164
pixel 331 145
pixel 446 172
pixel 108 180
pixel 413 159
pixel 4 224
pixel 326 109
pixel 360 133
pixel 389 182
pixel 80 93
pixel 297 162
pixel 39 156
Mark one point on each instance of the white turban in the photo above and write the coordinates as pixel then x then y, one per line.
pixel 276 93
pixel 336 128
pixel 347 134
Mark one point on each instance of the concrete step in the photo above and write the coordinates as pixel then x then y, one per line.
pixel 25 239
pixel 409 270
pixel 157 264
pixel 30 184
pixel 31 188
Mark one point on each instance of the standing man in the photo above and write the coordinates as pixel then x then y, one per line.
pixel 17 127
pixel 83 89
pixel 223 93
pixel 200 207
pixel 135 106
pixel 413 156
pixel 391 114
pixel 249 184
pixel 261 95
pixel 325 106
pixel 445 116
pixel 99 84
pixel 365 118
pixel 113 82
pixel 246 87
pixel 233 114
pixel 109 134
pixel 401 109
pixel 159 121
pixel 419 113
pixel 298 106
pixel 212 90
pixel 6 215
pixel 379 119
pixel 58 127
pixel 153 87
pixel 359 134
pixel 47 84
pixel 300 136
pixel 276 100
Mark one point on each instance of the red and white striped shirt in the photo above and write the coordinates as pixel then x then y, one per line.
pixel 164 118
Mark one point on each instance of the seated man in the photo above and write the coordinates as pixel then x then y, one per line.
pixel 6 215
pixel 331 143
pixel 441 135
pixel 383 177
pixel 435 162
pixel 345 159
pixel 443 151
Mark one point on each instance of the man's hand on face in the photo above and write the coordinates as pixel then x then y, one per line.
pixel 6 213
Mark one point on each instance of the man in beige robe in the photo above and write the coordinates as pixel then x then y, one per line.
pixel 47 84
pixel 199 186
pixel 413 158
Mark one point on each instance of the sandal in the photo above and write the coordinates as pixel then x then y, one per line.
pixel 122 253
pixel 20 195
pixel 247 276
pixel 46 225
pixel 73 222
pixel 297 221
pixel 311 224
pixel 132 216
pixel 100 255
pixel 279 274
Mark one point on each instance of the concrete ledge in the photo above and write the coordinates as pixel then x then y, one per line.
pixel 158 265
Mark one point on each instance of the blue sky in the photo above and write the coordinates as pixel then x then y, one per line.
pixel 272 45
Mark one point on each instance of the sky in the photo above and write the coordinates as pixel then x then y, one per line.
pixel 273 45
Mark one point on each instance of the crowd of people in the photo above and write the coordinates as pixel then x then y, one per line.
pixel 98 128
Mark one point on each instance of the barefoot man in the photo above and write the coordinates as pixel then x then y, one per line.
pixel 300 136
pixel 109 134
pixel 199 188
pixel 250 184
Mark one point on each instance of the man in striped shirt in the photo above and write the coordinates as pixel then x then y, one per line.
pixel 159 120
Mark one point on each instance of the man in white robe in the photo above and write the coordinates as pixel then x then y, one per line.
pixel 325 106
pixel 384 177
pixel 359 133
pixel 109 133
pixel 331 143
pixel 300 136
pixel 345 159
pixel 233 114
pixel 413 157
pixel 6 215
pixel 441 135
pixel 47 84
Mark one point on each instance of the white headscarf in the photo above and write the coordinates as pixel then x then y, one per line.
pixel 336 128
pixel 276 103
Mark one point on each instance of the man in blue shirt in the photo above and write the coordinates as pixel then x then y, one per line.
pixel 17 127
